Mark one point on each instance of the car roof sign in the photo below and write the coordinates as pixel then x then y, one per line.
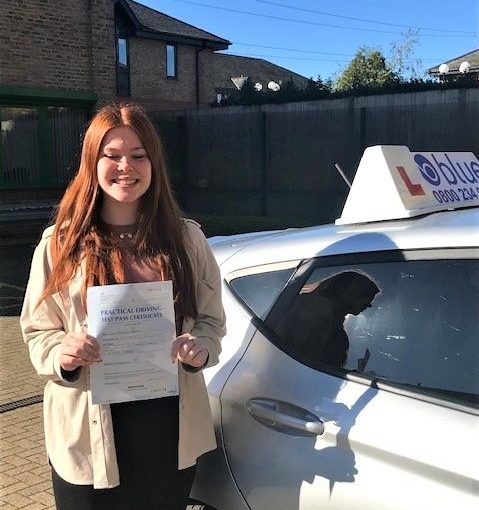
pixel 392 183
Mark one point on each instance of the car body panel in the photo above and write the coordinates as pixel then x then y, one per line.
pixel 415 456
pixel 439 230
pixel 423 452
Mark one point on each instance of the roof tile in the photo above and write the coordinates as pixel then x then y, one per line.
pixel 229 66
pixel 162 23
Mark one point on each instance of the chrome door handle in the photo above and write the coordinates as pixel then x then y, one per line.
pixel 285 417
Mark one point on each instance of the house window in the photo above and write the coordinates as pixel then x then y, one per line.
pixel 122 67
pixel 220 97
pixel 122 52
pixel 171 64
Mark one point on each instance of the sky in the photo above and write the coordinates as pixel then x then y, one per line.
pixel 317 38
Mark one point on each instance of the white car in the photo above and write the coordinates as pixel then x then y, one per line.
pixel 349 377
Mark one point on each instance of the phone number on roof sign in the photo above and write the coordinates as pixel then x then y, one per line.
pixel 445 196
pixel 456 177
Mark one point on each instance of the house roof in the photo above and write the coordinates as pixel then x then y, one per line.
pixel 150 22
pixel 472 57
pixel 232 70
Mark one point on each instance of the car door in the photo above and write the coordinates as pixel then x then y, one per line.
pixel 360 388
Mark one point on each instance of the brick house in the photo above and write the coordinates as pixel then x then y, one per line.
pixel 103 50
pixel 58 61
pixel 168 61
pixel 57 64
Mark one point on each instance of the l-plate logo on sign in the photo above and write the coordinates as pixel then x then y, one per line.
pixel 414 189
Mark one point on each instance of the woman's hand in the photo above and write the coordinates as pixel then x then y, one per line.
pixel 78 350
pixel 189 350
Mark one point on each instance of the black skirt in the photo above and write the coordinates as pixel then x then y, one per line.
pixel 146 441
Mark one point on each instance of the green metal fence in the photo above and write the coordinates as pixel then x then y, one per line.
pixel 39 146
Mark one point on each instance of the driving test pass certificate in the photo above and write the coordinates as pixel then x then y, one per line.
pixel 134 324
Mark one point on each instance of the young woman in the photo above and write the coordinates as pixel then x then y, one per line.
pixel 119 223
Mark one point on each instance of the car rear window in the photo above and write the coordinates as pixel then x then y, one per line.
pixel 259 291
pixel 410 323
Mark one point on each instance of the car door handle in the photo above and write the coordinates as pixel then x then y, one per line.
pixel 285 417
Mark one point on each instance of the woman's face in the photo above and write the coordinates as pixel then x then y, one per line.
pixel 123 168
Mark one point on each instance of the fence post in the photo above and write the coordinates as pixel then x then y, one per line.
pixel 45 147
pixel 182 160
pixel 362 128
pixel 264 165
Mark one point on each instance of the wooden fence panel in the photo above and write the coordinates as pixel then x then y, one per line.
pixel 302 150
pixel 224 163
pixel 227 151
pixel 279 160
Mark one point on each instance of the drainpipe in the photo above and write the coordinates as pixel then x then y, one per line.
pixel 197 73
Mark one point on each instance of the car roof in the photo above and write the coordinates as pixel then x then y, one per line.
pixel 448 229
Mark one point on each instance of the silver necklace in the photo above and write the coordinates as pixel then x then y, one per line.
pixel 125 235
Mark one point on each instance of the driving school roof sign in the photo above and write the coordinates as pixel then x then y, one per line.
pixel 392 182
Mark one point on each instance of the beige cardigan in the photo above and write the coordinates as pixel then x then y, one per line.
pixel 78 434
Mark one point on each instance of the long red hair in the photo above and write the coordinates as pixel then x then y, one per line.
pixel 78 235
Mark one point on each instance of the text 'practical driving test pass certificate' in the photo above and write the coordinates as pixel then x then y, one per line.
pixel 134 324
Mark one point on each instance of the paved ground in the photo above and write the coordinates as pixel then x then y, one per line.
pixel 24 475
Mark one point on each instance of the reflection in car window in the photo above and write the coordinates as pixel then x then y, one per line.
pixel 315 322
pixel 260 291
pixel 411 323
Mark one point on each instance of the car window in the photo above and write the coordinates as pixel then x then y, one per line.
pixel 259 291
pixel 412 323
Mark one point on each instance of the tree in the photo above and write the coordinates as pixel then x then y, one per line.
pixel 247 94
pixel 316 89
pixel 368 69
pixel 289 91
pixel 401 54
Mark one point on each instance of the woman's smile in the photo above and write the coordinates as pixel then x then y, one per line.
pixel 125 182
